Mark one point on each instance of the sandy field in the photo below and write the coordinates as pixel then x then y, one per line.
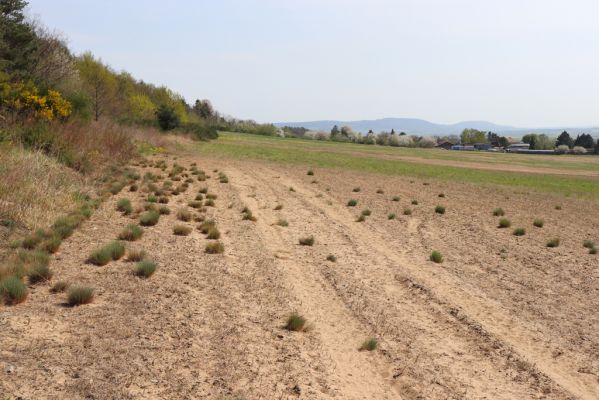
pixel 503 317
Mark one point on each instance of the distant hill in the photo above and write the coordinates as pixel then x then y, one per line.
pixel 426 128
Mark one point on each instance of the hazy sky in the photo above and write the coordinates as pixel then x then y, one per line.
pixel 518 62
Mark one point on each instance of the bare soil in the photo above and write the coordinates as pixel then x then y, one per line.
pixel 503 317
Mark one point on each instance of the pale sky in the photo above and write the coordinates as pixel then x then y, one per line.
pixel 526 63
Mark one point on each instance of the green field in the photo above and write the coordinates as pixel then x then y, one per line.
pixel 380 159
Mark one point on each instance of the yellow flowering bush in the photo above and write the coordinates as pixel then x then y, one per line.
pixel 25 101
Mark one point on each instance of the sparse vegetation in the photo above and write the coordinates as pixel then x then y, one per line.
pixel 131 233
pixel 307 241
pixel 12 290
pixel 134 255
pixel 407 211
pixel 79 295
pixel 164 210
pixel 116 250
pixel 282 222
pixel 538 223
pixel 181 230
pixel 366 212
pixel 145 268
pixel 278 207
pixel 414 202
pixel 436 257
pixel 310 172
pixel 39 273
pixel 332 258
pixel 295 323
pixel 369 345
pixel 504 223
pixel 149 218
pixel 519 232
pixel 215 248
pixel 183 214
pixel 396 198
pixel 361 218
pixel 207 225
pixel 391 216
pixel 498 212
pixel 213 233
pixel 59 287
pixel 553 242
pixel 124 206
pixel 352 203
pixel 356 189
pixel 589 244
pixel 440 210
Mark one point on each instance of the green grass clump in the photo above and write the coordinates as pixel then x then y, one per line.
pixel 131 233
pixel 593 250
pixel 134 255
pixel 181 230
pixel 396 198
pixel 51 244
pixel 295 323
pixel 214 248
pixel 124 206
pixel 553 242
pixel 203 190
pixel 79 295
pixel 116 187
pixel 248 216
pixel 356 189
pixel 100 257
pixel 307 241
pixel 352 203
pixel 31 241
pixel 195 204
pixel 59 287
pixel 361 218
pixel 414 202
pixel 440 210
pixel 332 258
pixel 436 256
pixel 209 203
pixel 12 290
pixel 145 268
pixel 206 225
pixel 213 233
pixel 211 196
pixel 369 345
pixel 116 249
pixel 589 244
pixel 222 178
pixel 149 218
pixel 407 211
pixel 164 210
pixel 152 198
pixel 310 172
pixel 498 212
pixel 504 223
pixel 163 200
pixel 366 212
pixel 183 214
pixel 282 222
pixel 519 232
pixel 391 216
pixel 39 273
pixel 538 223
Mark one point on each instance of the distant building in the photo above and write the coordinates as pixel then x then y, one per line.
pixel 515 147
pixel 483 146
pixel 462 147
pixel 445 145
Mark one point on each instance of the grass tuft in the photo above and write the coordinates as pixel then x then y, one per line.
pixel 440 210
pixel 59 287
pixel 131 233
pixel 332 258
pixel 504 223
pixel 352 203
pixel 282 222
pixel 39 273
pixel 124 206
pixel 295 323
pixel 183 214
pixel 396 198
pixel 215 248
pixel 149 218
pixel 519 232
pixel 553 242
pixel 307 241
pixel 369 345
pixel 366 212
pixel 589 244
pixel 436 257
pixel 12 290
pixel 498 212
pixel 181 230
pixel 391 216
pixel 538 223
pixel 278 207
pixel 134 255
pixel 145 268
pixel 79 295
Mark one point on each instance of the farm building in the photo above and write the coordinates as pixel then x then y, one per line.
pixel 445 145
pixel 515 147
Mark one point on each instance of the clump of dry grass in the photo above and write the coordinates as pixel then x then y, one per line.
pixel 39 273
pixel 131 233
pixel 278 207
pixel 307 241
pixel 183 214
pixel 79 295
pixel 282 222
pixel 134 255
pixel 149 218
pixel 214 248
pixel 213 233
pixel 59 287
pixel 181 230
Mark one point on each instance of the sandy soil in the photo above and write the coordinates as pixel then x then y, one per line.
pixel 503 317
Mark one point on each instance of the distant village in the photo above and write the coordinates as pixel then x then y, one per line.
pixel 468 140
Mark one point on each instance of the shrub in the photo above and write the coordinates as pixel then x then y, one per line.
pixel 589 244
pixel 115 188
pixel 356 189
pixel 136 255
pixel 369 345
pixel 203 190
pixel 181 230
pixel 131 233
pixel 436 256
pixel 558 207
pixel 441 195
pixel 116 249
pixel 278 207
pixel 307 241
pixel 215 248
pixel 145 268
pixel 391 216
pixel 291 189
pixel 414 202
pixel 504 223
pixel 366 212
pixel 248 216
pixel 149 218
pixel 124 206
pixel 211 196
pixel 295 322
pixel 395 198
pixel 79 295
pixel 361 218
pixel 12 290
pixel 209 203
pixel 152 198
pixel 519 232
pixel 164 210
pixel 538 223
pixel 51 245
pixel 282 222
pixel 59 287
pixel 39 273
pixel 163 200
pixel 310 172
pixel 407 211
pixel 31 241
pixel 222 178
pixel 553 242
pixel 593 250
pixel 380 191
pixel 133 188
pixel 440 210
pixel 352 203
pixel 332 258
pixel 213 233
pixel 498 212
